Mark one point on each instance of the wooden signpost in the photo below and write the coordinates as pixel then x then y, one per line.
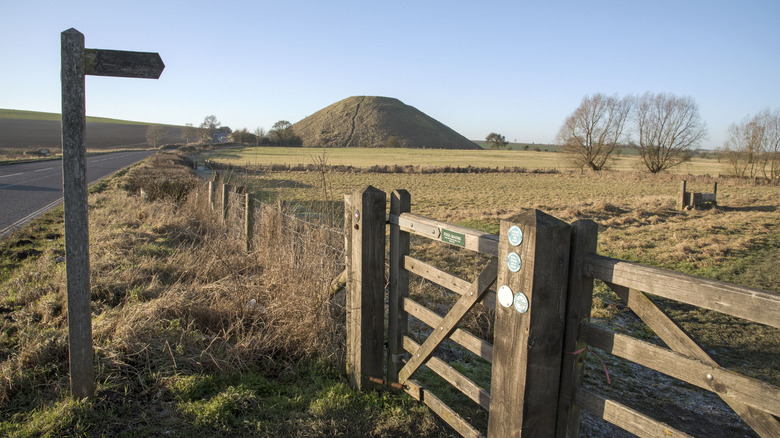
pixel 76 63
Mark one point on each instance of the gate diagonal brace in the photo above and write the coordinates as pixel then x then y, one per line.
pixel 447 326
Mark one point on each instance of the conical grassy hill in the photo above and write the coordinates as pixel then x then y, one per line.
pixel 372 121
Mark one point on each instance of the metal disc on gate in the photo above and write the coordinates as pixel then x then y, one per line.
pixel 505 296
pixel 521 302
pixel 513 262
pixel 515 235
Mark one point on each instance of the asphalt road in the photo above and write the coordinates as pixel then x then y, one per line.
pixel 28 190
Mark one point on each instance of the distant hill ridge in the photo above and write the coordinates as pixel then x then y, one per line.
pixel 374 121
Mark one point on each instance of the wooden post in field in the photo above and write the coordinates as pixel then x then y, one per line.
pixel 76 62
pixel 533 259
pixel 682 199
pixel 225 203
pixel 578 304
pixel 249 219
pixel 365 291
pixel 211 195
pixel 400 202
pixel 715 193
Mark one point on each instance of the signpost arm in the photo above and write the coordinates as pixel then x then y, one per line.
pixel 74 182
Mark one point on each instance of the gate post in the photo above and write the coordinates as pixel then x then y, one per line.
pixel 533 261
pixel 365 215
pixel 211 195
pixel 397 318
pixel 578 304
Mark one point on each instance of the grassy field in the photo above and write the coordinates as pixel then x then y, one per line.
pixel 366 157
pixel 24 132
pixel 737 242
pixel 37 115
pixel 181 350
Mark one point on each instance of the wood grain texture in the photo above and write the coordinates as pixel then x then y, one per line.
pixel 447 326
pixel 124 64
pixel 527 347
pixel 578 306
pixel 678 340
pixel 475 240
pixel 74 178
pixel 456 379
pixel 451 417
pixel 365 294
pixel 745 390
pixel 398 319
pixel 451 282
pixel 463 337
pixel 626 418
pixel 754 305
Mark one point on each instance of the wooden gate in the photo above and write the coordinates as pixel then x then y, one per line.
pixel 544 271
pixel 528 329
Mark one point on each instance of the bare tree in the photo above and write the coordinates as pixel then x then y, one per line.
pixel 771 147
pixel 592 133
pixel 744 146
pixel 669 129
pixel 259 135
pixel 155 134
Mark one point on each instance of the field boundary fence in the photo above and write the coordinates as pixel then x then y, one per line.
pixel 540 284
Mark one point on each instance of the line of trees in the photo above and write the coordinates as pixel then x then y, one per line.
pixel 281 134
pixel 665 129
pixel 753 146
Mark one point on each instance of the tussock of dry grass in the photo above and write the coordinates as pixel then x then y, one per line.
pixel 173 292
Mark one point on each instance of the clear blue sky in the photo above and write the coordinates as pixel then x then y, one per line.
pixel 514 67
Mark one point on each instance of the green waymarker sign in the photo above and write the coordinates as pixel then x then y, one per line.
pixel 453 238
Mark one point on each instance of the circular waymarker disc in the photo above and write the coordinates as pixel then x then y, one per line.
pixel 521 302
pixel 513 262
pixel 505 296
pixel 515 235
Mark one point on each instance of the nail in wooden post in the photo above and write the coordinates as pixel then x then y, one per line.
pixel 249 219
pixel 365 292
pixel 74 180
pixel 225 198
pixel 578 305
pixel 398 319
pixel 529 327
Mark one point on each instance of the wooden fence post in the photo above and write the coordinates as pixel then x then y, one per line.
pixel 397 323
pixel 225 203
pixel 533 256
pixel 249 219
pixel 682 199
pixel 365 291
pixel 578 305
pixel 211 195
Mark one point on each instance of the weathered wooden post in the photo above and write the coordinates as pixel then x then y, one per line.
pixel 533 261
pixel 225 201
pixel 249 219
pixel 400 202
pixel 74 186
pixel 76 63
pixel 211 195
pixel 365 291
pixel 578 305
pixel 682 199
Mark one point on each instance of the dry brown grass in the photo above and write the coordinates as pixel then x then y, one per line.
pixel 173 291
